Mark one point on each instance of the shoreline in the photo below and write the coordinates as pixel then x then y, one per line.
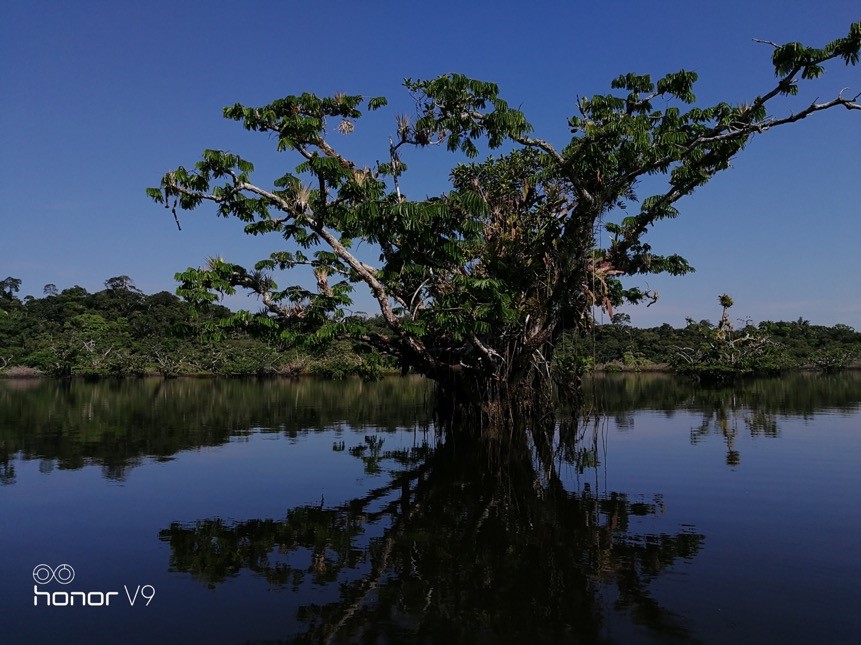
pixel 32 374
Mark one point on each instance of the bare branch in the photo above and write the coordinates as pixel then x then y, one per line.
pixel 534 142
pixel 330 152
pixel 766 42
pixel 849 104
pixel 488 352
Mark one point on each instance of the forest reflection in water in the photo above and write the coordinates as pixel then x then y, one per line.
pixel 117 424
pixel 444 540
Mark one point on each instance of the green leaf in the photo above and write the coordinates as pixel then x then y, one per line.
pixel 377 102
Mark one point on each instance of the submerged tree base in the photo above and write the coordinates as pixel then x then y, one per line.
pixel 493 409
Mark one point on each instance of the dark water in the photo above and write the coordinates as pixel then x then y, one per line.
pixel 240 510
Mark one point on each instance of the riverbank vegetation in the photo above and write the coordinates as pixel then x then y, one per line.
pixel 722 351
pixel 120 331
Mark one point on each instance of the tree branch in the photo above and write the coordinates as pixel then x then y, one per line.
pixel 766 42
pixel 726 131
pixel 530 142
pixel 379 291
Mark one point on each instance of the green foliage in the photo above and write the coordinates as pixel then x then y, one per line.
pixel 341 359
pixel 9 287
pixel 720 352
pixel 833 359
pixel 122 332
pixel 573 358
pixel 635 361
pixel 790 346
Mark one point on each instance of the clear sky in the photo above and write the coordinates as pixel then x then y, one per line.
pixel 99 98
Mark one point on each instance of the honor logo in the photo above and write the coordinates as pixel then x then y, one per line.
pixel 64 574
pixel 43 574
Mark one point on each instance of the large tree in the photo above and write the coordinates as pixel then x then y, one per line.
pixel 477 286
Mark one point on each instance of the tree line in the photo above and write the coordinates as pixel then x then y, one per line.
pixel 121 331
pixel 704 350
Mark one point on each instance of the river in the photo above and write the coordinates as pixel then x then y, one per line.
pixel 274 510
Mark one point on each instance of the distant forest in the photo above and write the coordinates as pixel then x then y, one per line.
pixel 121 331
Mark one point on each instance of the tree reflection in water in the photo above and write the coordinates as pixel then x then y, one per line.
pixel 466 542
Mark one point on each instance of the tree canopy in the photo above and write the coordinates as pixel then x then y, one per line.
pixel 477 285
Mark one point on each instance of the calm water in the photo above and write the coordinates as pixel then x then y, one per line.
pixel 241 510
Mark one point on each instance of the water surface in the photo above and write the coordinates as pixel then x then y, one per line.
pixel 265 510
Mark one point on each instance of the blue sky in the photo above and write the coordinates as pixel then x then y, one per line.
pixel 100 98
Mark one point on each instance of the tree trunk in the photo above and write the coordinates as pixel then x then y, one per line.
pixel 494 407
